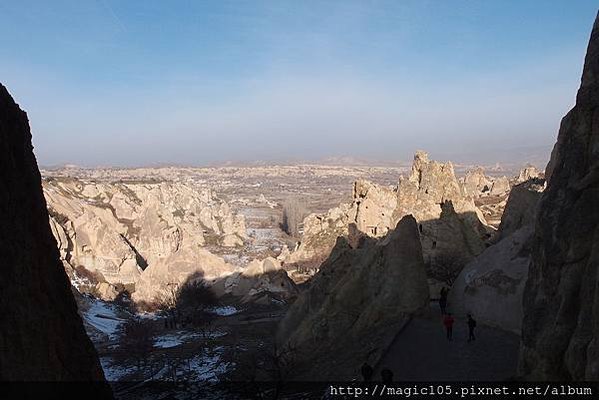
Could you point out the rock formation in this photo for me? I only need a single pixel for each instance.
(491, 286)
(500, 186)
(528, 172)
(159, 280)
(476, 183)
(123, 231)
(447, 218)
(261, 281)
(41, 334)
(560, 329)
(320, 234)
(373, 208)
(356, 303)
(521, 206)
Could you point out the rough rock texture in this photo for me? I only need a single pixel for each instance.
(41, 334)
(491, 286)
(158, 280)
(320, 234)
(357, 302)
(260, 281)
(373, 207)
(118, 229)
(560, 330)
(528, 172)
(500, 186)
(448, 219)
(520, 208)
(452, 229)
(476, 183)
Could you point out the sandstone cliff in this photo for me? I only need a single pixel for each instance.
(41, 334)
(144, 234)
(491, 286)
(560, 331)
(450, 224)
(356, 303)
(117, 229)
(476, 183)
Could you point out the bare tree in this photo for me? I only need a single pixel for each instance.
(279, 364)
(446, 265)
(137, 340)
(294, 211)
(188, 302)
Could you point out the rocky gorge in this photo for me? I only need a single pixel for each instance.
(301, 272)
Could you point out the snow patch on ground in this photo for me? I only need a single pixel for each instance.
(78, 281)
(148, 315)
(178, 338)
(223, 311)
(208, 367)
(102, 316)
(264, 234)
(113, 372)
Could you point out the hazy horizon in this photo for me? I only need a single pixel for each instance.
(146, 83)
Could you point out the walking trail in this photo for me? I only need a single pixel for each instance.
(421, 352)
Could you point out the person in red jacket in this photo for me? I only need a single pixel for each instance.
(448, 322)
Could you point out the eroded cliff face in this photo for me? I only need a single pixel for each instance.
(41, 334)
(560, 332)
(118, 229)
(451, 228)
(356, 304)
(491, 286)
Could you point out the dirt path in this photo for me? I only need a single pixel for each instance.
(421, 352)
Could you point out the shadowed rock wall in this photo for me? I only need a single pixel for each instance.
(41, 333)
(560, 332)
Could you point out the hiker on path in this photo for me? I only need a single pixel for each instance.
(448, 323)
(367, 372)
(471, 326)
(387, 376)
(443, 300)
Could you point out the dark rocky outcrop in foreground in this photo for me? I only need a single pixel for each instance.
(560, 332)
(356, 304)
(41, 334)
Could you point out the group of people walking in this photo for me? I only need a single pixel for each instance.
(368, 373)
(448, 319)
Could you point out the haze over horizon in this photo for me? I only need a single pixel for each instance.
(141, 83)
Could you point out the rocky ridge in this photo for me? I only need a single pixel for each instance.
(449, 223)
(148, 237)
(356, 303)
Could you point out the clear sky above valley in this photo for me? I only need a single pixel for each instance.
(196, 82)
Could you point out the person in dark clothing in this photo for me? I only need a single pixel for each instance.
(387, 375)
(448, 323)
(471, 326)
(367, 372)
(443, 300)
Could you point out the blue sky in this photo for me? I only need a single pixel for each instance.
(195, 82)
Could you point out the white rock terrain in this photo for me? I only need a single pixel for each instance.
(143, 233)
